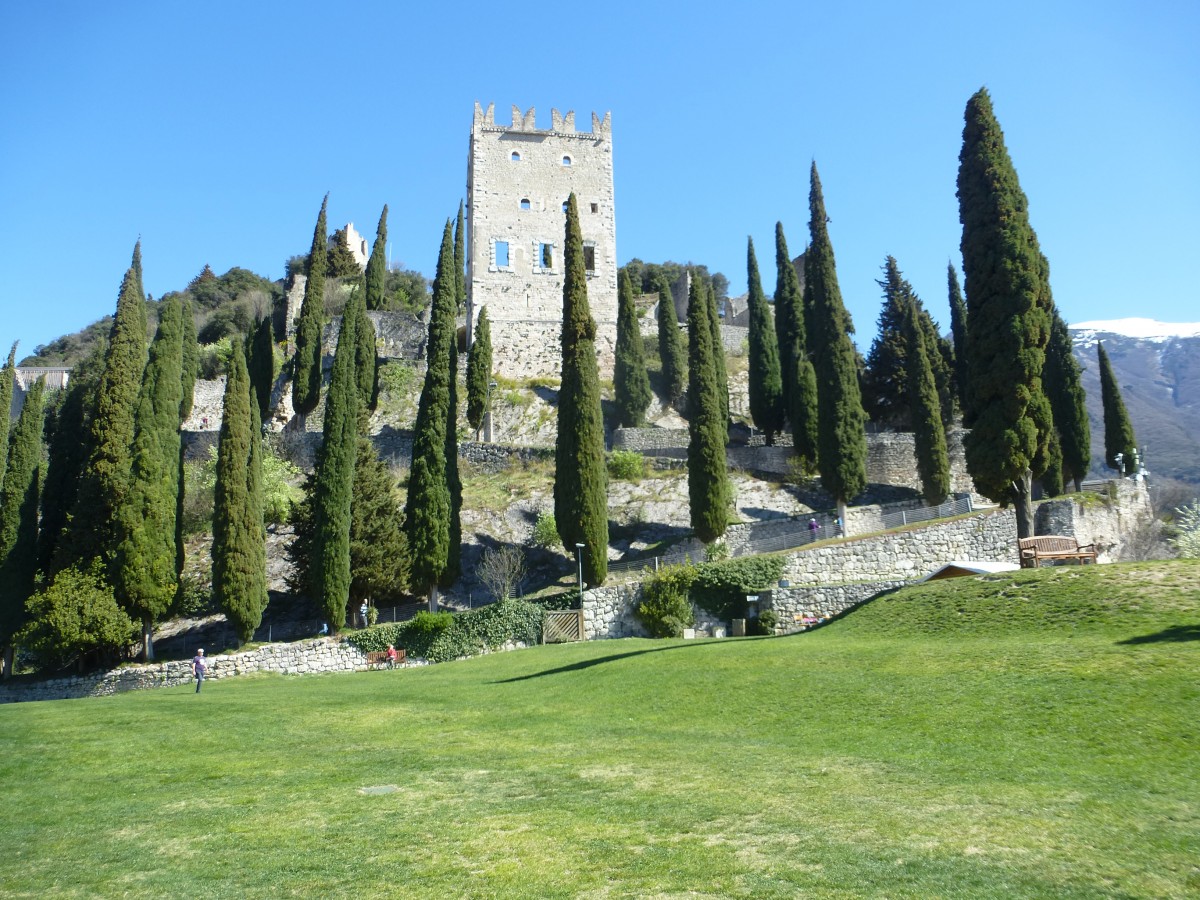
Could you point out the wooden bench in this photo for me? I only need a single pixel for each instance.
(1036, 550)
(380, 658)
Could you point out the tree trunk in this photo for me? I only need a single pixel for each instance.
(147, 639)
(433, 597)
(841, 511)
(1078, 483)
(1022, 489)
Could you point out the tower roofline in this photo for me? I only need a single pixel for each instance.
(527, 122)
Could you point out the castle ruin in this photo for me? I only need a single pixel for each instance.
(518, 181)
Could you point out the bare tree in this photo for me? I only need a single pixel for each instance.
(501, 569)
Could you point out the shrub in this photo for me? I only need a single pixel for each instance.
(545, 531)
(764, 624)
(431, 624)
(665, 609)
(627, 465)
(721, 587)
(440, 637)
(1185, 537)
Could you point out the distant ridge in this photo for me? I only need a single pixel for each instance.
(1144, 329)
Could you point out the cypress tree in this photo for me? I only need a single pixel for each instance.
(460, 262)
(1052, 478)
(1119, 439)
(766, 388)
(580, 475)
(366, 358)
(136, 265)
(94, 531)
(335, 476)
(237, 535)
(306, 382)
(796, 367)
(1068, 402)
(427, 510)
(69, 430)
(479, 373)
(191, 360)
(376, 277)
(708, 485)
(841, 435)
(260, 364)
(929, 436)
(143, 573)
(958, 332)
(718, 354)
(670, 343)
(19, 498)
(8, 377)
(1008, 321)
(631, 384)
(453, 482)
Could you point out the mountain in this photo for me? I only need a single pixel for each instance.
(1157, 365)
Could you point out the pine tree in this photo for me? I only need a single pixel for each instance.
(378, 549)
(631, 384)
(1120, 445)
(19, 498)
(8, 377)
(260, 364)
(335, 476)
(479, 373)
(340, 261)
(460, 262)
(1068, 402)
(958, 331)
(670, 343)
(580, 475)
(94, 531)
(238, 536)
(143, 573)
(708, 485)
(377, 265)
(796, 365)
(929, 436)
(306, 381)
(1008, 321)
(841, 434)
(718, 354)
(427, 510)
(886, 381)
(766, 388)
(69, 429)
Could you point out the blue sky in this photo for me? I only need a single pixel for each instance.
(213, 129)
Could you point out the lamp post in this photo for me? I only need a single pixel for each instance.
(579, 555)
(487, 405)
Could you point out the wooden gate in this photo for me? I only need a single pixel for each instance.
(562, 625)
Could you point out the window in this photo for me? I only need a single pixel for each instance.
(516, 157)
(501, 254)
(595, 207)
(564, 206)
(589, 257)
(546, 255)
(566, 160)
(525, 203)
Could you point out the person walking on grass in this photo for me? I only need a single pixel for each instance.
(199, 667)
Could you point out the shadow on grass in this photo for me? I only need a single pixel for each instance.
(1173, 635)
(588, 663)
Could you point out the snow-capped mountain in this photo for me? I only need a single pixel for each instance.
(1157, 365)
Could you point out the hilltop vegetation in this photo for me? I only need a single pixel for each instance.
(1031, 735)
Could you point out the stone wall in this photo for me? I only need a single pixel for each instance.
(309, 657)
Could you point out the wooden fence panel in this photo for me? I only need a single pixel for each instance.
(562, 626)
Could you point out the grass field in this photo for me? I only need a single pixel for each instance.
(1031, 735)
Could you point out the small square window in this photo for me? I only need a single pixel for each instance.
(525, 203)
(502, 254)
(589, 257)
(595, 207)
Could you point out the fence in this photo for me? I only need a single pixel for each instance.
(562, 625)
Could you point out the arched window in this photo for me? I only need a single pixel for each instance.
(525, 203)
(566, 160)
(564, 206)
(516, 157)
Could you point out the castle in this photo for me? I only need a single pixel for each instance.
(518, 181)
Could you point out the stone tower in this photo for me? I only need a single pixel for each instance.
(518, 181)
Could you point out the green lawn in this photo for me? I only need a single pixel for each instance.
(1032, 735)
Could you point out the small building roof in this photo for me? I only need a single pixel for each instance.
(960, 568)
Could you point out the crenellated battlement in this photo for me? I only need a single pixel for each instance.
(527, 122)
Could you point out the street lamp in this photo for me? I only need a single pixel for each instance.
(487, 405)
(579, 554)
